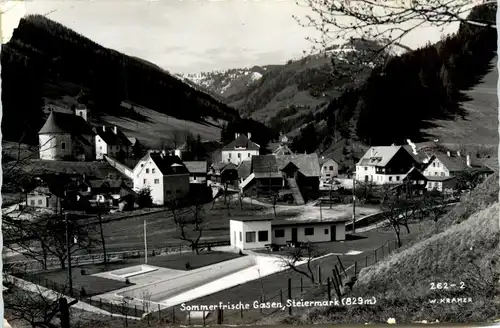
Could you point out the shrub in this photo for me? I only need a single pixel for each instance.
(83, 272)
(127, 281)
(83, 293)
(188, 266)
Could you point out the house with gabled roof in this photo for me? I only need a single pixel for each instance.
(443, 169)
(164, 174)
(329, 168)
(198, 171)
(111, 141)
(66, 136)
(240, 149)
(384, 164)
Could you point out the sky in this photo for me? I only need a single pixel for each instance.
(189, 36)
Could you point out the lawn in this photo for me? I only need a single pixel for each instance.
(127, 234)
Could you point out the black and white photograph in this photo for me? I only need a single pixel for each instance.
(171, 163)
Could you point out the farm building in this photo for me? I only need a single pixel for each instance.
(197, 171)
(329, 168)
(109, 140)
(257, 233)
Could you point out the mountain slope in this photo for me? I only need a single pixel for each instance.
(46, 62)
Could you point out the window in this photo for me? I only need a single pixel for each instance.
(39, 202)
(157, 181)
(194, 177)
(248, 155)
(32, 202)
(250, 237)
(142, 165)
(326, 231)
(144, 181)
(279, 233)
(397, 178)
(366, 178)
(100, 148)
(239, 155)
(63, 145)
(147, 170)
(331, 168)
(241, 234)
(435, 173)
(442, 174)
(263, 235)
(309, 231)
(390, 178)
(433, 164)
(229, 155)
(366, 168)
(153, 170)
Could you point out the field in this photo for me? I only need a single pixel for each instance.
(481, 125)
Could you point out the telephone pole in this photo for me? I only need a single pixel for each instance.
(353, 204)
(145, 245)
(68, 247)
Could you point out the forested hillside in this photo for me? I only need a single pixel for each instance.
(44, 59)
(406, 95)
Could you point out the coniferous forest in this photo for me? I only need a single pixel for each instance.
(45, 59)
(399, 99)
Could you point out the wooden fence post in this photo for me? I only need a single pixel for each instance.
(355, 268)
(290, 294)
(203, 318)
(375, 256)
(301, 285)
(336, 284)
(383, 250)
(366, 261)
(241, 312)
(159, 313)
(281, 296)
(173, 315)
(135, 310)
(337, 273)
(341, 266)
(189, 318)
(260, 307)
(319, 274)
(329, 289)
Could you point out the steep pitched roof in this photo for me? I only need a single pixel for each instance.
(229, 166)
(242, 142)
(111, 138)
(282, 150)
(308, 164)
(421, 156)
(264, 164)
(453, 163)
(379, 156)
(323, 160)
(58, 122)
(245, 169)
(168, 164)
(196, 166)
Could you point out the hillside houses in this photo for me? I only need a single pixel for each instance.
(164, 174)
(240, 149)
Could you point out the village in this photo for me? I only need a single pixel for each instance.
(212, 229)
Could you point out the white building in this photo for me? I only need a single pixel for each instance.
(165, 175)
(442, 170)
(384, 164)
(66, 137)
(329, 168)
(110, 141)
(256, 233)
(240, 149)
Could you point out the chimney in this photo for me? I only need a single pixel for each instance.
(163, 153)
(458, 153)
(115, 130)
(249, 135)
(448, 153)
(178, 153)
(372, 152)
(104, 128)
(468, 160)
(236, 135)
